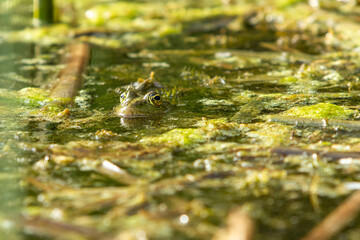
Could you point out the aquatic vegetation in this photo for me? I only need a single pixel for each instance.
(321, 111)
(35, 97)
(209, 129)
(266, 120)
(178, 137)
(42, 106)
(200, 78)
(49, 35)
(271, 135)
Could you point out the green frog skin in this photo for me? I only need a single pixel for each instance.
(134, 105)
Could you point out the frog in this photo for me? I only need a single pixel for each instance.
(142, 86)
(145, 98)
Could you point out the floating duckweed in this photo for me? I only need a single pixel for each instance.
(321, 111)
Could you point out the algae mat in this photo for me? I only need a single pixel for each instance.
(265, 132)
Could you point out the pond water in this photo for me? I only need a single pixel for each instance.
(90, 174)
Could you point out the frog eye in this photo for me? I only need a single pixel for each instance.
(154, 99)
(122, 97)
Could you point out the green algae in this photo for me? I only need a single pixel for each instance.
(288, 80)
(42, 106)
(249, 112)
(271, 135)
(321, 111)
(187, 137)
(185, 175)
(47, 35)
(37, 97)
(178, 137)
(34, 97)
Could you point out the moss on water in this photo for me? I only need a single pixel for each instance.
(209, 129)
(51, 109)
(178, 137)
(321, 111)
(34, 97)
(183, 172)
(53, 112)
(47, 35)
(288, 80)
(270, 135)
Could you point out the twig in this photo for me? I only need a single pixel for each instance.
(70, 79)
(41, 226)
(314, 199)
(44, 186)
(298, 151)
(337, 219)
(318, 123)
(239, 227)
(117, 174)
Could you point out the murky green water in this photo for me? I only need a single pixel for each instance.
(94, 175)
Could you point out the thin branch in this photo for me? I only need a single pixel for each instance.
(317, 123)
(285, 151)
(336, 220)
(116, 173)
(70, 79)
(44, 226)
(239, 227)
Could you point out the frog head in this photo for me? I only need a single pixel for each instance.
(132, 104)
